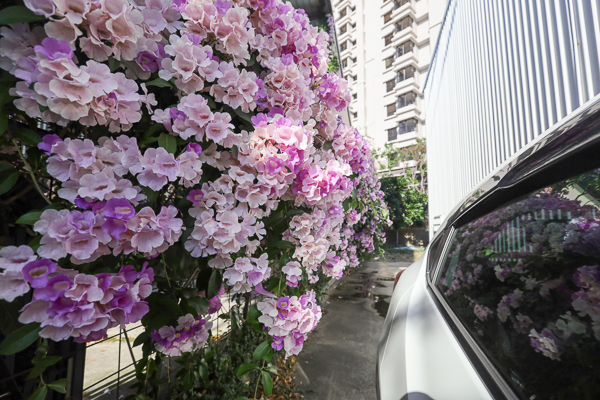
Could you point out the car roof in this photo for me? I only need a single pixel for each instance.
(569, 147)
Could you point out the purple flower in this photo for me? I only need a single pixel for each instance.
(275, 111)
(83, 203)
(47, 141)
(259, 120)
(118, 209)
(36, 272)
(195, 147)
(53, 49)
(222, 6)
(147, 61)
(195, 196)
(175, 113)
(55, 288)
(274, 165)
(277, 343)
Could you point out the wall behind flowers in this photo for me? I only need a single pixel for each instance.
(158, 156)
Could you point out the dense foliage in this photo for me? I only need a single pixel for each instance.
(186, 152)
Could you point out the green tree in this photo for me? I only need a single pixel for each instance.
(405, 195)
(407, 205)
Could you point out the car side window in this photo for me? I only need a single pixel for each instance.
(524, 280)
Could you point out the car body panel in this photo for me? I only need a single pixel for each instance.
(434, 366)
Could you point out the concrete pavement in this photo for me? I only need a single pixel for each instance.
(338, 360)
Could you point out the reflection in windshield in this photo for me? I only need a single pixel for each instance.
(525, 280)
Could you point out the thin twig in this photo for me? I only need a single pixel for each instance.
(28, 168)
(17, 196)
(191, 277)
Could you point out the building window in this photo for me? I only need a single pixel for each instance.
(403, 23)
(389, 61)
(391, 109)
(353, 60)
(353, 42)
(354, 96)
(392, 134)
(400, 3)
(343, 29)
(345, 63)
(388, 38)
(344, 46)
(406, 126)
(354, 114)
(406, 99)
(404, 48)
(343, 13)
(387, 17)
(389, 85)
(405, 73)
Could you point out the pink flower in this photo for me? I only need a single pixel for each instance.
(14, 258)
(12, 285)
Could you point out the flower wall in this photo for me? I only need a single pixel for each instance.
(194, 151)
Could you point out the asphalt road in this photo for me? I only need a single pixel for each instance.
(338, 359)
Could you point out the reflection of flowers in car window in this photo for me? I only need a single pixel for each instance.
(525, 279)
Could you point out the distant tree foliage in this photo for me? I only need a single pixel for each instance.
(405, 195)
(407, 205)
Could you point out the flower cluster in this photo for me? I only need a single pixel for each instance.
(71, 304)
(190, 334)
(289, 320)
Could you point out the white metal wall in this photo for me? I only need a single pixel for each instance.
(503, 72)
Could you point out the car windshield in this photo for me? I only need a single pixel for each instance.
(525, 282)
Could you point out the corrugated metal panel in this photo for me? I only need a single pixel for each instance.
(503, 72)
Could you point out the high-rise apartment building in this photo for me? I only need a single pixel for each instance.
(385, 48)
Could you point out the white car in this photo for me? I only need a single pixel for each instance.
(505, 302)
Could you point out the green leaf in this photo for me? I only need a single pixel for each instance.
(261, 351)
(159, 83)
(3, 121)
(30, 218)
(113, 64)
(35, 243)
(269, 355)
(241, 398)
(244, 369)
(208, 354)
(272, 369)
(243, 115)
(150, 194)
(200, 304)
(20, 339)
(283, 244)
(142, 337)
(168, 142)
(253, 314)
(46, 361)
(214, 284)
(8, 179)
(203, 370)
(60, 385)
(18, 14)
(5, 96)
(39, 394)
(27, 136)
(267, 383)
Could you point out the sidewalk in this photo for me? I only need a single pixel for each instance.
(338, 360)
